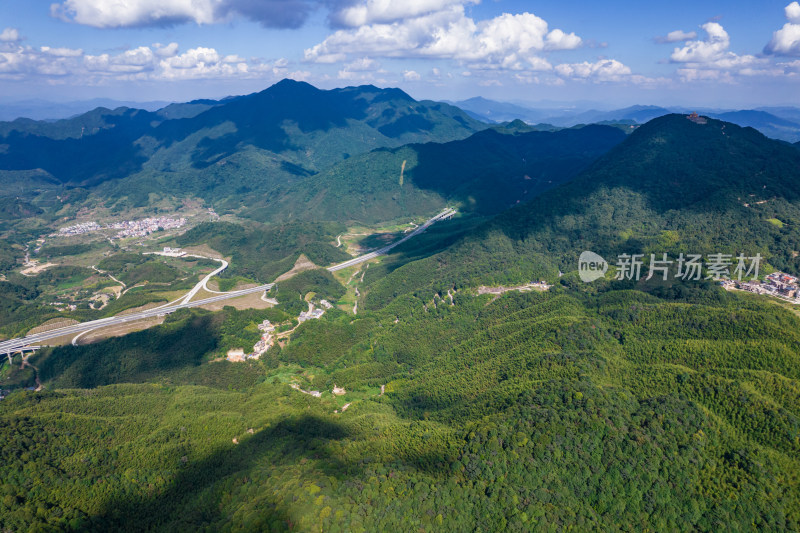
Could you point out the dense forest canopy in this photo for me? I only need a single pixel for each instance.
(616, 405)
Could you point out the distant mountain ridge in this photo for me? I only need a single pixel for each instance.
(50, 111)
(289, 130)
(776, 122)
(493, 111)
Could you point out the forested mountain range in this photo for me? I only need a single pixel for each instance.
(605, 406)
(295, 152)
(775, 122)
(286, 132)
(484, 174)
(674, 185)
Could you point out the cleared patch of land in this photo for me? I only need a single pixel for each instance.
(64, 340)
(53, 323)
(213, 284)
(521, 288)
(205, 251)
(302, 264)
(248, 301)
(350, 277)
(145, 307)
(119, 330)
(36, 269)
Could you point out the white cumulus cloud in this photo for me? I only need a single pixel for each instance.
(363, 64)
(677, 36)
(702, 58)
(786, 41)
(138, 13)
(388, 11)
(105, 14)
(793, 12)
(155, 63)
(10, 35)
(62, 52)
(703, 51)
(602, 70)
(168, 50)
(507, 41)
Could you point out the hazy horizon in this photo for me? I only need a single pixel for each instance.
(725, 54)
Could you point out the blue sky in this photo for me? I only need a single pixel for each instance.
(732, 53)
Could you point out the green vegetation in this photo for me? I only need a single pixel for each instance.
(263, 253)
(673, 187)
(517, 414)
(775, 222)
(28, 301)
(522, 165)
(21, 298)
(292, 293)
(137, 268)
(66, 249)
(174, 352)
(594, 407)
(8, 255)
(235, 152)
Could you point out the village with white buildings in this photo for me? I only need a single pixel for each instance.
(237, 355)
(777, 284)
(126, 228)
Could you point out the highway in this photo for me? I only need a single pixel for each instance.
(15, 345)
(383, 251)
(204, 282)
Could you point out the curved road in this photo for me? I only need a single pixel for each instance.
(14, 345)
(203, 282)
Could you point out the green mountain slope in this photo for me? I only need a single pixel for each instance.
(609, 411)
(673, 186)
(592, 407)
(263, 253)
(767, 123)
(485, 174)
(287, 131)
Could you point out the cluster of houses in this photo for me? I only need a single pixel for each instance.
(783, 284)
(266, 328)
(61, 306)
(80, 229)
(127, 228)
(312, 313)
(776, 284)
(144, 227)
(337, 391)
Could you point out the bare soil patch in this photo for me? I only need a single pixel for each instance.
(53, 323)
(521, 288)
(37, 269)
(248, 301)
(213, 284)
(302, 264)
(145, 307)
(119, 330)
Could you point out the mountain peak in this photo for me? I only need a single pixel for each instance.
(289, 86)
(679, 160)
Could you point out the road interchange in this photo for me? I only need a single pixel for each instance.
(12, 346)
